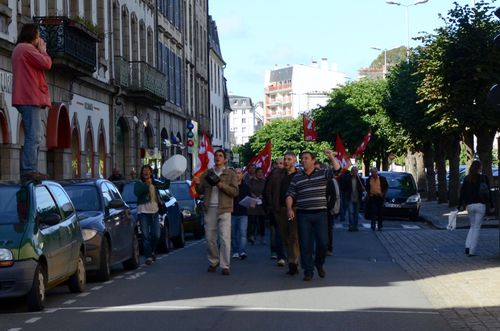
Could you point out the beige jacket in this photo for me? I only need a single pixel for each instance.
(228, 190)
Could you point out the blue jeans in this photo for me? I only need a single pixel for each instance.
(239, 224)
(353, 214)
(31, 117)
(150, 228)
(312, 230)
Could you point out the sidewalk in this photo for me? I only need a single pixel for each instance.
(465, 290)
(437, 214)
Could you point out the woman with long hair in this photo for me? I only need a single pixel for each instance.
(475, 195)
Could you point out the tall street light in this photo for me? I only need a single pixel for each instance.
(384, 71)
(418, 2)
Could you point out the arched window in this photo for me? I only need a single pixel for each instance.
(103, 46)
(88, 10)
(144, 46)
(125, 34)
(148, 137)
(151, 48)
(74, 10)
(164, 144)
(52, 8)
(134, 31)
(89, 150)
(76, 167)
(102, 153)
(116, 29)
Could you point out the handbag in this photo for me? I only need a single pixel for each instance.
(212, 178)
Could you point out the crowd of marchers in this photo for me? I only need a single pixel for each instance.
(297, 205)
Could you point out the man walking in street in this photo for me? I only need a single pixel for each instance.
(308, 191)
(376, 188)
(239, 219)
(352, 189)
(220, 186)
(275, 197)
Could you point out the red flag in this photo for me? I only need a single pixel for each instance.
(263, 160)
(342, 156)
(365, 142)
(205, 161)
(309, 125)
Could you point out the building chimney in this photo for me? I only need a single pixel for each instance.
(314, 64)
(324, 64)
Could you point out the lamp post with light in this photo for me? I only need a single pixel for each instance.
(418, 2)
(384, 71)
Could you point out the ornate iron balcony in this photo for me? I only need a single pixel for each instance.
(69, 43)
(147, 83)
(122, 72)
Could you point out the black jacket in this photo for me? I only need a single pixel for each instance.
(469, 192)
(346, 186)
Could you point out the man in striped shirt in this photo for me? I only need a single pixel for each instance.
(307, 191)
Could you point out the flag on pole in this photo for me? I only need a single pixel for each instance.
(363, 145)
(309, 125)
(342, 156)
(263, 160)
(205, 161)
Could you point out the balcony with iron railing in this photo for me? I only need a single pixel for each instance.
(122, 72)
(70, 44)
(147, 84)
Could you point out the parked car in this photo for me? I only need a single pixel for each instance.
(402, 198)
(41, 243)
(191, 208)
(171, 224)
(108, 226)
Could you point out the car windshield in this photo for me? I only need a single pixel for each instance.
(84, 197)
(13, 204)
(403, 183)
(180, 191)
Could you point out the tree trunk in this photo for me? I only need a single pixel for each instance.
(454, 177)
(484, 150)
(468, 140)
(441, 170)
(429, 171)
(410, 163)
(421, 178)
(366, 166)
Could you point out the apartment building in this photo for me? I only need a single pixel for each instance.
(244, 120)
(293, 90)
(127, 76)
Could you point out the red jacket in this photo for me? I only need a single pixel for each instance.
(29, 86)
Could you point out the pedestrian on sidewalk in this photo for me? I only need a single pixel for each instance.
(276, 241)
(30, 94)
(147, 211)
(220, 186)
(307, 191)
(475, 196)
(275, 197)
(239, 219)
(352, 190)
(376, 188)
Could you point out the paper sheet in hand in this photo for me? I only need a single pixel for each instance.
(248, 200)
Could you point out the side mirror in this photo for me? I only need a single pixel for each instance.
(116, 203)
(50, 219)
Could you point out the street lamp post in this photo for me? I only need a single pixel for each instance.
(418, 2)
(384, 71)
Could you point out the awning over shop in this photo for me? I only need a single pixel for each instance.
(58, 127)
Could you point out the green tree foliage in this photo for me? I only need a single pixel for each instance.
(394, 57)
(351, 111)
(285, 135)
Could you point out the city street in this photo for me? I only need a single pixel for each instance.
(364, 289)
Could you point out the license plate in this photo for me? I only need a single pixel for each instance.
(392, 205)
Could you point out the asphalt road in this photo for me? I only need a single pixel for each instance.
(363, 290)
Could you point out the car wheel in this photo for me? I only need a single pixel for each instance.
(133, 262)
(180, 240)
(104, 272)
(163, 246)
(78, 280)
(36, 296)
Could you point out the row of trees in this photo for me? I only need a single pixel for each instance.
(428, 106)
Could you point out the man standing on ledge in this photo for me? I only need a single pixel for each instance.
(220, 186)
(30, 94)
(308, 190)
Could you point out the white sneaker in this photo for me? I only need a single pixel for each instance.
(236, 256)
(281, 263)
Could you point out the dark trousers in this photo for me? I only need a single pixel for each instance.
(374, 206)
(331, 221)
(256, 225)
(312, 233)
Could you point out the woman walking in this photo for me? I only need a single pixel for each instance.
(475, 196)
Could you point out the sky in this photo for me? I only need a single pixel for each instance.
(256, 35)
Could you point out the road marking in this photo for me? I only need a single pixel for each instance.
(410, 227)
(366, 226)
(14, 329)
(242, 309)
(119, 277)
(32, 320)
(129, 272)
(96, 288)
(338, 226)
(69, 302)
(109, 282)
(82, 295)
(137, 275)
(50, 310)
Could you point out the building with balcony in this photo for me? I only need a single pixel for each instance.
(244, 120)
(127, 76)
(293, 90)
